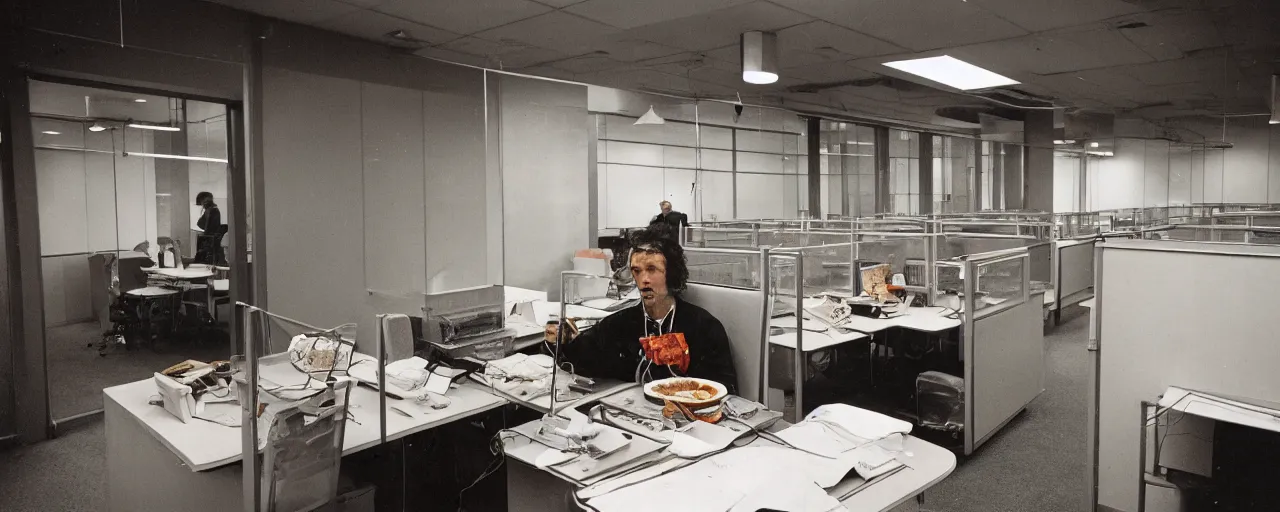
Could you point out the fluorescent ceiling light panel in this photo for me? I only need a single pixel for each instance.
(950, 71)
(179, 157)
(1061, 142)
(97, 127)
(154, 127)
(51, 132)
(140, 100)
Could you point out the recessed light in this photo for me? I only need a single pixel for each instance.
(97, 128)
(140, 100)
(948, 70)
(154, 127)
(1093, 144)
(51, 132)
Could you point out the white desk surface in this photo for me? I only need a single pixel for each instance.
(205, 445)
(927, 465)
(542, 403)
(186, 273)
(812, 340)
(924, 319)
(1087, 303)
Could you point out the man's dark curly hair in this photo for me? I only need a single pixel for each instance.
(658, 239)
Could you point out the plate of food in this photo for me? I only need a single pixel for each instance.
(690, 392)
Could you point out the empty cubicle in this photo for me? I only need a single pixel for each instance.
(1155, 327)
(1003, 342)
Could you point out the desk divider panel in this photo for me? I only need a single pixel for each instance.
(1159, 324)
(742, 313)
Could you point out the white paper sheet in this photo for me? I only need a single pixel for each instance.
(700, 438)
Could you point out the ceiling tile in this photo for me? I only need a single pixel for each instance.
(719, 28)
(828, 72)
(1054, 52)
(504, 55)
(588, 64)
(632, 14)
(1208, 69)
(1172, 34)
(918, 25)
(556, 30)
(631, 50)
(374, 26)
(817, 36)
(463, 17)
(559, 3)
(454, 56)
(307, 12)
(1039, 15)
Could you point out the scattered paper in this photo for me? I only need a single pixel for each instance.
(701, 438)
(552, 457)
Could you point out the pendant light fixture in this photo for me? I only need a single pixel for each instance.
(759, 57)
(650, 117)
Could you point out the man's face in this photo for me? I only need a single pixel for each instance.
(666, 207)
(650, 273)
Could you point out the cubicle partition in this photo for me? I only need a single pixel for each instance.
(729, 283)
(1154, 327)
(1003, 343)
(1073, 274)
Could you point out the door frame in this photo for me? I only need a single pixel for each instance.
(24, 316)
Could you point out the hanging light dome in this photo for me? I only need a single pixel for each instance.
(650, 117)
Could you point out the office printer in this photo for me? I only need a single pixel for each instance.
(468, 323)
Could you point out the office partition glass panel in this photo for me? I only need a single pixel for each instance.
(133, 267)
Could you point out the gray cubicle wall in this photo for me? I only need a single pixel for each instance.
(375, 177)
(1073, 269)
(545, 187)
(1171, 313)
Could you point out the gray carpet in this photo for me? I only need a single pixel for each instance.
(1036, 464)
(1038, 461)
(77, 373)
(66, 474)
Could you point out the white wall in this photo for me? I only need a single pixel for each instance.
(1066, 182)
(544, 179)
(1156, 173)
(639, 166)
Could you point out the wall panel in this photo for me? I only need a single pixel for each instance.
(457, 211)
(544, 163)
(393, 187)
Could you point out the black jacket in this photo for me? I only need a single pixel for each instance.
(611, 349)
(674, 219)
(210, 220)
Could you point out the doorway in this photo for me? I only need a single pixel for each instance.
(132, 193)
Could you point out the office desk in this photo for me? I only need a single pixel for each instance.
(813, 340)
(542, 403)
(156, 462)
(544, 491)
(928, 319)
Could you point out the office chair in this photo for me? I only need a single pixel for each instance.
(130, 319)
(209, 247)
(171, 246)
(301, 460)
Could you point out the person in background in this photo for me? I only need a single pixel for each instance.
(675, 220)
(612, 348)
(208, 242)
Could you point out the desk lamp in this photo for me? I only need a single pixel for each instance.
(554, 430)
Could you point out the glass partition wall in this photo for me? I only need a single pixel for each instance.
(118, 176)
(709, 162)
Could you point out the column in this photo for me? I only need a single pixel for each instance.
(1038, 169)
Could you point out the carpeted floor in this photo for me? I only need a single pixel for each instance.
(77, 373)
(1036, 464)
(1038, 461)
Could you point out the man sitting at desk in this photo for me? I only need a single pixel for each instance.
(612, 348)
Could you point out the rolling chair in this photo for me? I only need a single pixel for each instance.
(134, 312)
(303, 455)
